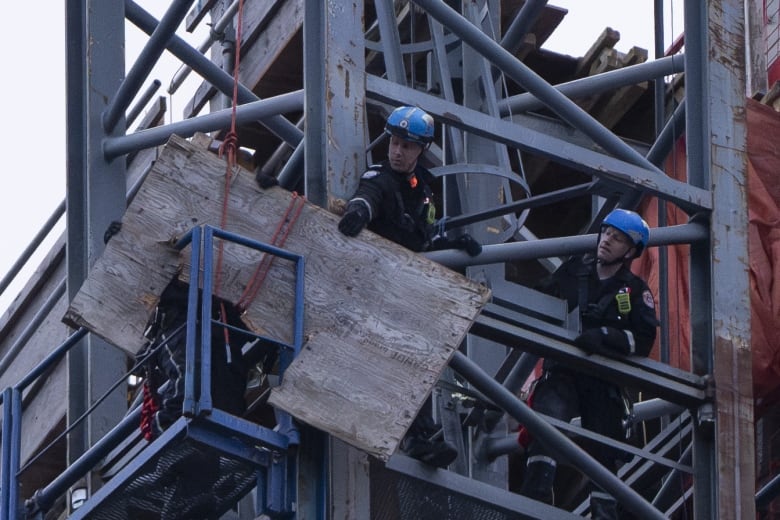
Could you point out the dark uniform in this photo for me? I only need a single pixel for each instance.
(617, 317)
(400, 205)
(577, 282)
(190, 471)
(166, 357)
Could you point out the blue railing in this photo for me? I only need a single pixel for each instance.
(12, 420)
(195, 404)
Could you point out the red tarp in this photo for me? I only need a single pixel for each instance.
(763, 171)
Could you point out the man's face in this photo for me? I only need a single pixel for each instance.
(613, 245)
(403, 154)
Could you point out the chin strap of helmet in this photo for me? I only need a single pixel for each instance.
(612, 262)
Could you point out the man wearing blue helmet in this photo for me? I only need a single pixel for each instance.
(617, 317)
(394, 198)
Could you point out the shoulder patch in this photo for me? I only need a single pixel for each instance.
(647, 297)
(370, 174)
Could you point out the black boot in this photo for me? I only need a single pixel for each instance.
(539, 478)
(438, 454)
(425, 442)
(602, 506)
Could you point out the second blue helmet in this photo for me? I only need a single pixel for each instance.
(631, 224)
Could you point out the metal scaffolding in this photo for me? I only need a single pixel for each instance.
(494, 113)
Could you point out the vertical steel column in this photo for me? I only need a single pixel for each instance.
(76, 85)
(313, 465)
(732, 356)
(15, 441)
(95, 197)
(314, 103)
(698, 168)
(720, 317)
(345, 87)
(478, 192)
(755, 49)
(334, 81)
(659, 92)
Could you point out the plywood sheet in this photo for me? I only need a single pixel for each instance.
(380, 322)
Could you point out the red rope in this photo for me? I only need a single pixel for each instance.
(231, 139)
(230, 147)
(278, 239)
(149, 408)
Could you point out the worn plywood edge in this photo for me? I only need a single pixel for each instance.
(375, 395)
(119, 295)
(125, 283)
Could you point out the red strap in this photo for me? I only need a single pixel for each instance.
(278, 239)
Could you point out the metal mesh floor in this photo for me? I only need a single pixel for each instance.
(185, 480)
(395, 496)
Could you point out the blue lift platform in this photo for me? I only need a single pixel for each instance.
(228, 456)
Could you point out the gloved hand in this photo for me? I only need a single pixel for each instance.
(265, 181)
(466, 242)
(591, 341)
(355, 219)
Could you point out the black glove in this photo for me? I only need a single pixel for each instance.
(112, 230)
(466, 243)
(591, 341)
(355, 219)
(265, 181)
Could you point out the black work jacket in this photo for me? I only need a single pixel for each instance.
(576, 281)
(400, 211)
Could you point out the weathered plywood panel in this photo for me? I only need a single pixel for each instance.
(381, 322)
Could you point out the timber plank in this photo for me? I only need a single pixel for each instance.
(380, 322)
(606, 40)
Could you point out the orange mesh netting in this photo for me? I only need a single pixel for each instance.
(764, 246)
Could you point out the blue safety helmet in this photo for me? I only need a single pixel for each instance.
(631, 224)
(411, 124)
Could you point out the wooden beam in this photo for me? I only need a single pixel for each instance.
(606, 40)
